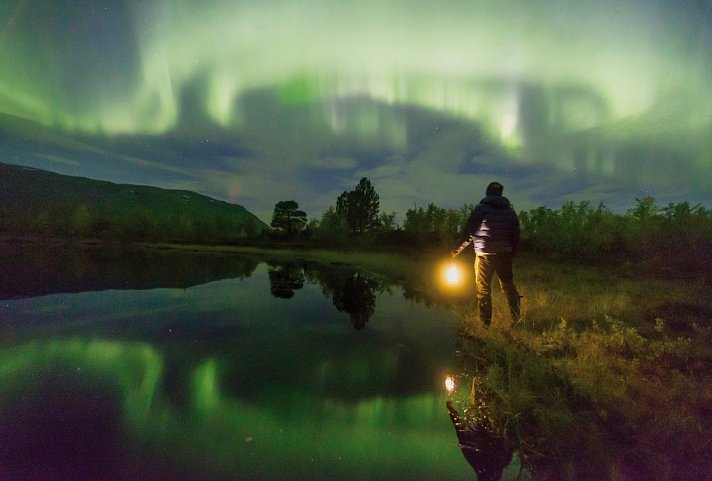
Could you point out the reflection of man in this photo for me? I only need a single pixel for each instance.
(487, 454)
(493, 227)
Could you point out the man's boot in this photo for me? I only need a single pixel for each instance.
(514, 306)
(485, 307)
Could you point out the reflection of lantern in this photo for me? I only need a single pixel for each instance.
(449, 384)
(453, 274)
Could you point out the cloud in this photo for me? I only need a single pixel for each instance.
(338, 163)
(256, 102)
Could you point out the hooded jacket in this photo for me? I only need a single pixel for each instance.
(493, 226)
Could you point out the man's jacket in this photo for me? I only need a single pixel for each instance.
(493, 226)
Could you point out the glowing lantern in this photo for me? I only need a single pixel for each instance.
(453, 275)
(449, 384)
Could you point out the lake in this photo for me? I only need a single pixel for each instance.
(160, 365)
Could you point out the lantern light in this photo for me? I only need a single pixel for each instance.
(449, 384)
(453, 274)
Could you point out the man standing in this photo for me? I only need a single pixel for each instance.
(493, 227)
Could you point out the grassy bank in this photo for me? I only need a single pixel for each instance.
(606, 377)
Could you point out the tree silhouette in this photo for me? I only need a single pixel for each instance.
(288, 218)
(359, 207)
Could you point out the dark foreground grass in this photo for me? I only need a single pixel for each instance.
(606, 377)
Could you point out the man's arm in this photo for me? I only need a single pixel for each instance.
(472, 224)
(462, 246)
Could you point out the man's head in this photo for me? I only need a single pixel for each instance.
(494, 188)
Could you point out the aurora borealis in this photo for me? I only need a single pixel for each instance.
(255, 102)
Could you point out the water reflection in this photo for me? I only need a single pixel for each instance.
(35, 271)
(67, 427)
(285, 278)
(225, 380)
(29, 271)
(65, 405)
(357, 297)
(351, 291)
(487, 451)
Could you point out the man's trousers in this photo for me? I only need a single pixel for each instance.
(485, 268)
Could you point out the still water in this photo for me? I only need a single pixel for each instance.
(165, 366)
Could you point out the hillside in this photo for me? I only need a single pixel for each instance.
(40, 203)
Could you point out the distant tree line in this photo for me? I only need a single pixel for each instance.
(673, 238)
(127, 225)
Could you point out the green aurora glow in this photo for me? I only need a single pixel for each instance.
(617, 91)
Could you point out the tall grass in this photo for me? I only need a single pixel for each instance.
(605, 377)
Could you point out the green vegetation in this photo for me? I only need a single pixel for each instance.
(287, 218)
(359, 207)
(42, 204)
(671, 240)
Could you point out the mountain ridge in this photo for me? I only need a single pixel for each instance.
(39, 202)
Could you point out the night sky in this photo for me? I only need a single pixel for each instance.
(257, 101)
